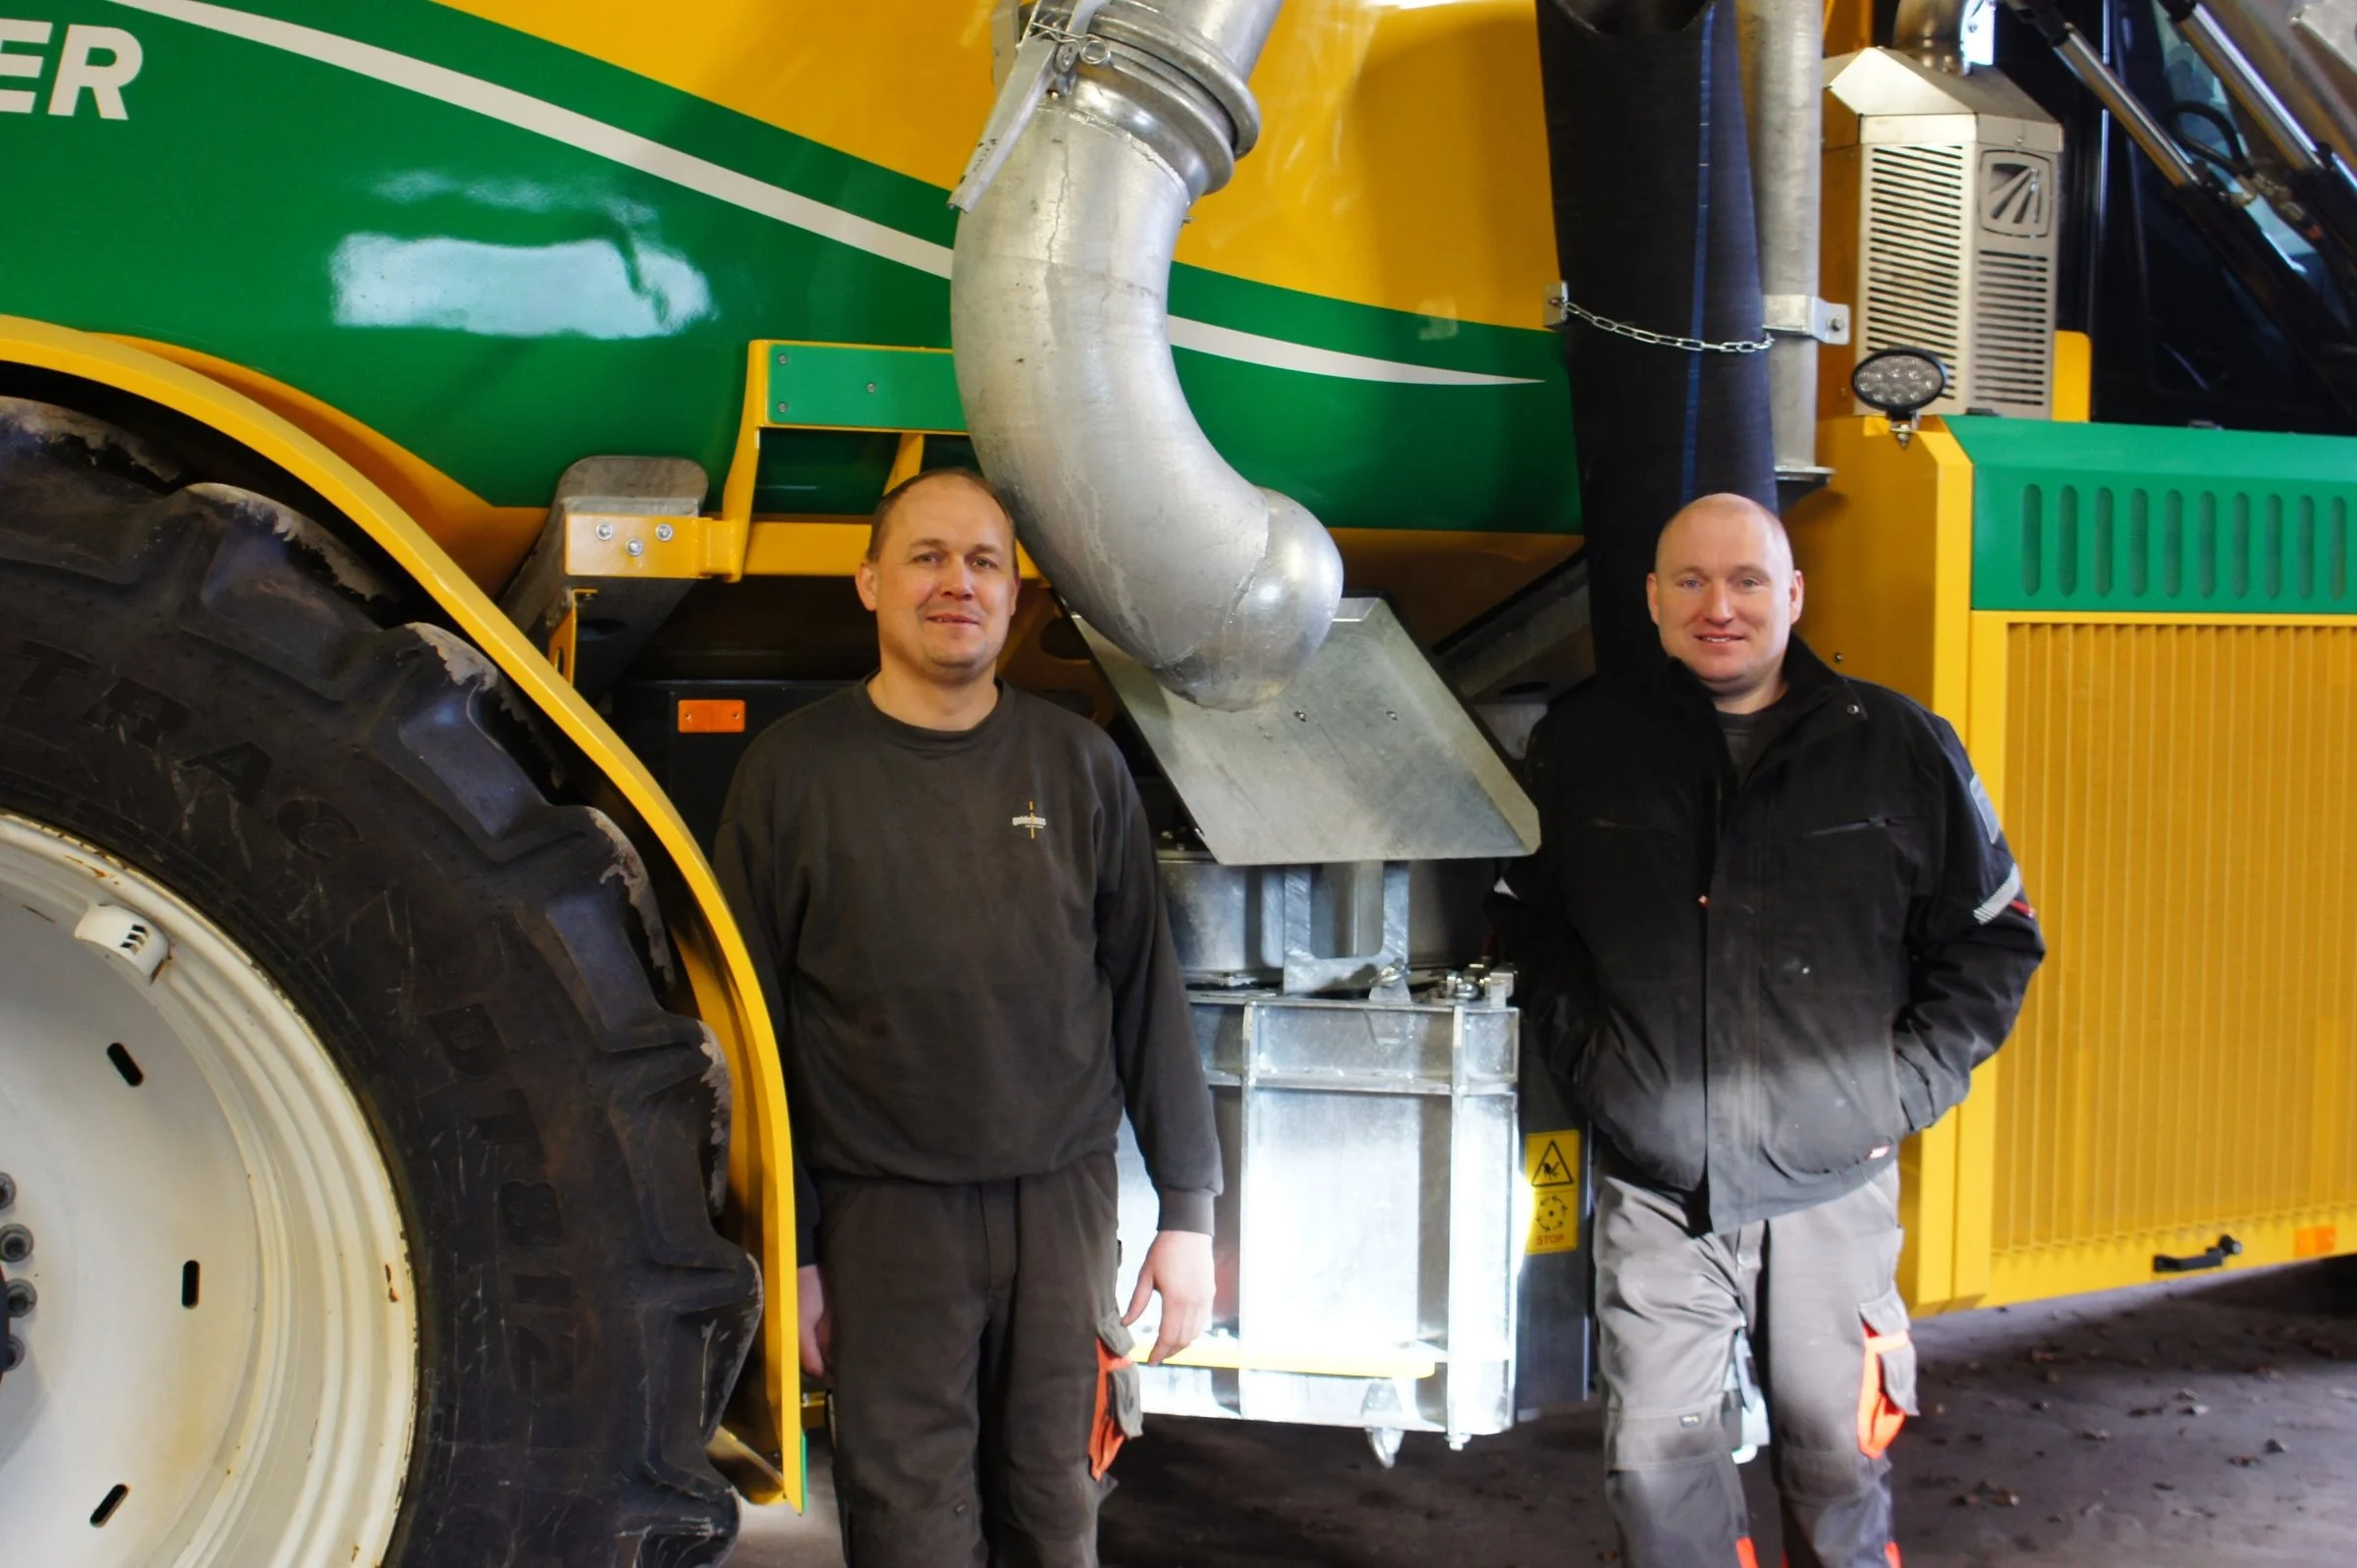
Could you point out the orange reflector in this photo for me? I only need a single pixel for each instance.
(711, 716)
(2316, 1241)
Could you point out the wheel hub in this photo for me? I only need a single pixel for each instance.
(17, 1296)
(209, 1307)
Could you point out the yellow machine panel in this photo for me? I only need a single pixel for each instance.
(2176, 784)
(2179, 795)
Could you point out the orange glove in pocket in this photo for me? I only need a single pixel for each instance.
(1887, 1382)
(1120, 1401)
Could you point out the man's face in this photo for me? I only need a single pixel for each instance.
(944, 584)
(1724, 594)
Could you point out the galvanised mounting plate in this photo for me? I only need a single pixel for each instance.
(1367, 755)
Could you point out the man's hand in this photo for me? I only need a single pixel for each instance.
(810, 1294)
(1178, 1266)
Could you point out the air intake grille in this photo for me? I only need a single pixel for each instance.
(2154, 519)
(2013, 339)
(1914, 262)
(2179, 796)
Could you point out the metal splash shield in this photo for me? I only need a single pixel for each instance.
(1367, 755)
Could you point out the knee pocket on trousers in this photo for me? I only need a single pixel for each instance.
(1651, 1442)
(1825, 1475)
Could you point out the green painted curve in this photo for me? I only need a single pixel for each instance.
(502, 304)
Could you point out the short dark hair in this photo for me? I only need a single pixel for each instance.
(892, 500)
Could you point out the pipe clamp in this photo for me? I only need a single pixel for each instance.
(1800, 315)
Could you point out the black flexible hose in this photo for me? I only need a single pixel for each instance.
(1654, 229)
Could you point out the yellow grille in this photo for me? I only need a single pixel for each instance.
(2181, 799)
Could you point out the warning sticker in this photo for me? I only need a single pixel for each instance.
(1551, 1164)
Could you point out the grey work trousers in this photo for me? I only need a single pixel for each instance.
(965, 1325)
(1815, 1290)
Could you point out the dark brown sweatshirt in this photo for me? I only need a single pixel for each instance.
(964, 944)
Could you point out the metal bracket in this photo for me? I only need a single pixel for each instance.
(635, 544)
(623, 530)
(1050, 47)
(1800, 315)
(1383, 973)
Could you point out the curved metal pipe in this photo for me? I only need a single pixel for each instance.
(1931, 31)
(1058, 309)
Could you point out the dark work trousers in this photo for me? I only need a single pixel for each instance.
(1815, 1290)
(963, 1363)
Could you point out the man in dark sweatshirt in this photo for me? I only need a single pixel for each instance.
(952, 890)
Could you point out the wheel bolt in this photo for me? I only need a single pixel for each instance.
(22, 1297)
(14, 1356)
(8, 1190)
(16, 1244)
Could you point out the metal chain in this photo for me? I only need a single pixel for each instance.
(1622, 329)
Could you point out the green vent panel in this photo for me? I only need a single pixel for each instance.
(2147, 519)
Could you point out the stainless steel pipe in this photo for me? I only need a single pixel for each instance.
(2281, 130)
(1783, 89)
(1931, 33)
(1059, 313)
(2285, 44)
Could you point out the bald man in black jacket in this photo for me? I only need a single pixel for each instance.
(1771, 929)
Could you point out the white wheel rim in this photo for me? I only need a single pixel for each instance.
(268, 1424)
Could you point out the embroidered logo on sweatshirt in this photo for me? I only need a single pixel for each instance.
(1031, 821)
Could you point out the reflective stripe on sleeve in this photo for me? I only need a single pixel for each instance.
(1994, 904)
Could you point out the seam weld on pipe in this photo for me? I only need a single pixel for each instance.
(1059, 313)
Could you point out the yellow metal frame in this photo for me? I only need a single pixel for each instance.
(2128, 1259)
(1893, 539)
(732, 544)
(713, 953)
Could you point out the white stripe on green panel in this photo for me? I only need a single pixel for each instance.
(686, 170)
(1280, 353)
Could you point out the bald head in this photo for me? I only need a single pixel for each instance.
(1725, 593)
(1726, 510)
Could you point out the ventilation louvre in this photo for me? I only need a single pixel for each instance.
(2012, 331)
(1914, 251)
(2159, 520)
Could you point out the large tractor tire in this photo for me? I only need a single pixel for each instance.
(360, 1187)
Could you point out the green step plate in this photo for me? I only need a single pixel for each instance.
(850, 387)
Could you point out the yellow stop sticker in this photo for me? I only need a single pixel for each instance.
(1551, 1164)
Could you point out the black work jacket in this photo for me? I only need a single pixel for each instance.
(1755, 987)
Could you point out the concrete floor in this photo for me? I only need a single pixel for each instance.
(2166, 1426)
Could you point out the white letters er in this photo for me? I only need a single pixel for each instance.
(99, 61)
(36, 33)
